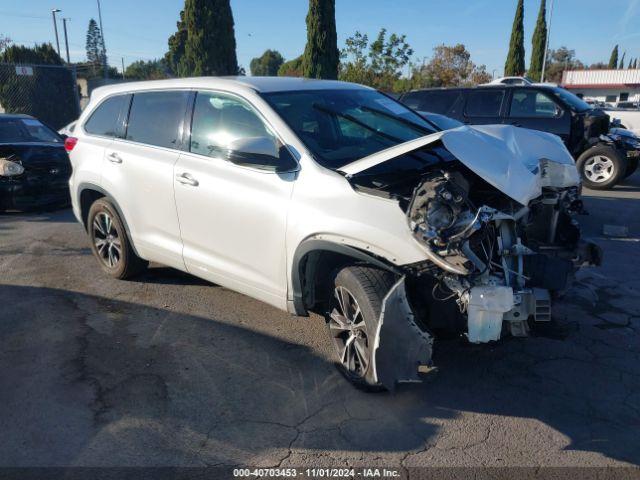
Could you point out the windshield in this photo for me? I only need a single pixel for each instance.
(341, 126)
(26, 130)
(576, 103)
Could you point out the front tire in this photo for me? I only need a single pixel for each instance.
(109, 242)
(601, 167)
(352, 321)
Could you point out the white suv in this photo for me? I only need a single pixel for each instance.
(331, 197)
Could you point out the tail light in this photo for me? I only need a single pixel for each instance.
(69, 143)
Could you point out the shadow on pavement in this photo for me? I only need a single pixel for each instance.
(94, 381)
(59, 214)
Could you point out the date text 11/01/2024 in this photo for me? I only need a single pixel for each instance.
(316, 472)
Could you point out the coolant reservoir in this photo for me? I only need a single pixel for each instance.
(487, 305)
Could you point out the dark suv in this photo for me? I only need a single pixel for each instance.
(601, 159)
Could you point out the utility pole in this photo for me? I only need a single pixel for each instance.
(122, 59)
(104, 49)
(55, 27)
(546, 43)
(66, 39)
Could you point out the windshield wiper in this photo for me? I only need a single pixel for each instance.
(352, 119)
(404, 121)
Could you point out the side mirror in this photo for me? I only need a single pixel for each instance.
(260, 152)
(259, 147)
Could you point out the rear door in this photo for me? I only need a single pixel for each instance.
(138, 172)
(484, 106)
(447, 102)
(536, 109)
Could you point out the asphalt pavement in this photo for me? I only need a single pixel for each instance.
(169, 370)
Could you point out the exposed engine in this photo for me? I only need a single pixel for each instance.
(493, 208)
(499, 260)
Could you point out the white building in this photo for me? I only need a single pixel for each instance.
(609, 86)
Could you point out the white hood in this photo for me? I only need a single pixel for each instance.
(517, 161)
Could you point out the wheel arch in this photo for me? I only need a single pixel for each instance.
(313, 262)
(88, 193)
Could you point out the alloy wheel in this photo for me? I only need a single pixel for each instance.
(598, 169)
(106, 239)
(348, 332)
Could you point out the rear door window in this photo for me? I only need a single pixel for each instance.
(443, 102)
(484, 103)
(104, 120)
(156, 118)
(532, 104)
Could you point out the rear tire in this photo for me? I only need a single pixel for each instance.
(601, 167)
(110, 243)
(352, 321)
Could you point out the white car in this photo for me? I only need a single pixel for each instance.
(517, 81)
(330, 197)
(629, 119)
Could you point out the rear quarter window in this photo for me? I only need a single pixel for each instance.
(104, 119)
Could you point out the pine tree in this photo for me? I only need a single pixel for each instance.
(538, 44)
(210, 46)
(621, 66)
(514, 65)
(93, 50)
(321, 55)
(94, 44)
(613, 60)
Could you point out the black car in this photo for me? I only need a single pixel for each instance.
(34, 165)
(601, 159)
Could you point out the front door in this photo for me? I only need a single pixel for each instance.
(232, 217)
(535, 109)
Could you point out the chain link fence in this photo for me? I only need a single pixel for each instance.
(47, 92)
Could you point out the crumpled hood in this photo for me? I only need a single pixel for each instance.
(517, 161)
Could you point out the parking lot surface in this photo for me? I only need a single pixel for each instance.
(169, 370)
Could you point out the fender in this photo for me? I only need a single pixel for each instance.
(310, 245)
(92, 186)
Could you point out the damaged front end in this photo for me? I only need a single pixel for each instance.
(495, 215)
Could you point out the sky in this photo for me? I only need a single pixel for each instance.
(138, 29)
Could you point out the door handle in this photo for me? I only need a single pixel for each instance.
(187, 179)
(114, 158)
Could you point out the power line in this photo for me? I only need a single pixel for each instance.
(21, 15)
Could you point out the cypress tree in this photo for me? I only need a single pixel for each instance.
(515, 59)
(210, 46)
(630, 64)
(321, 55)
(538, 44)
(621, 66)
(613, 60)
(176, 45)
